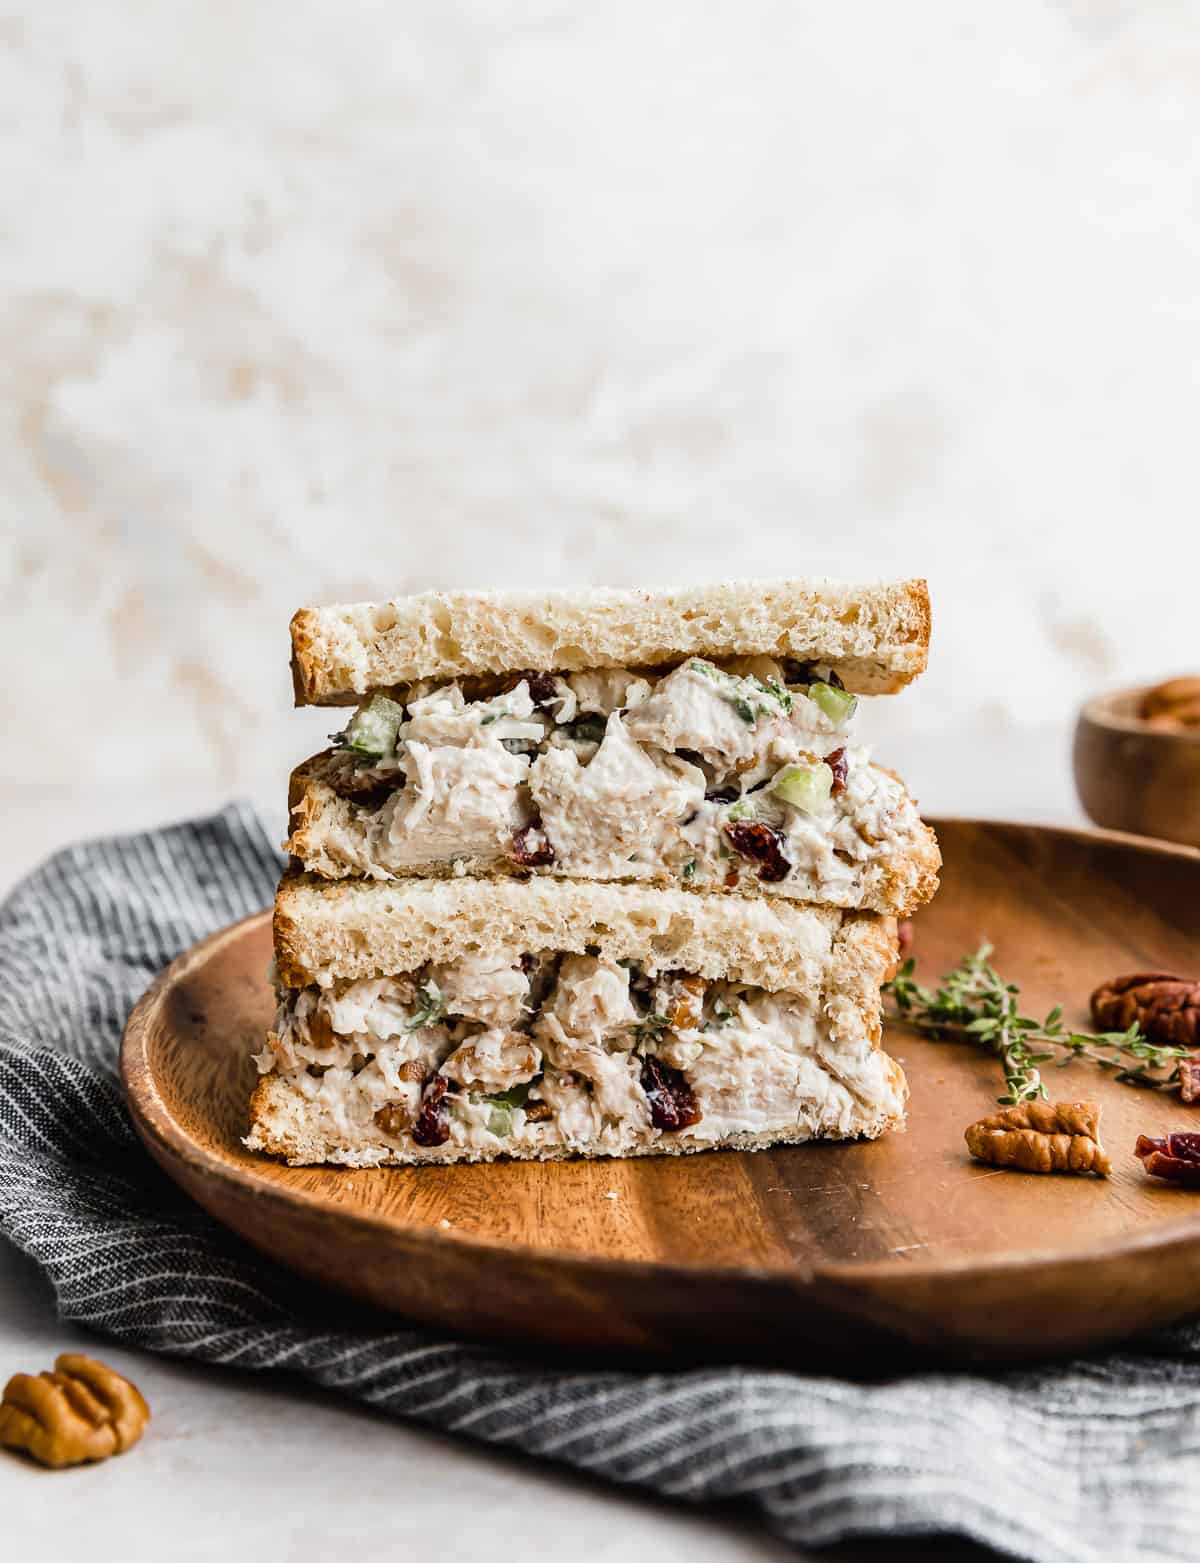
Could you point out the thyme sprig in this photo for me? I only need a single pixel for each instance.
(975, 1004)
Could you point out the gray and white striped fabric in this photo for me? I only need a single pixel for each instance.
(1081, 1461)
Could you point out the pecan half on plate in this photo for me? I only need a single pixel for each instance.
(1167, 1008)
(1042, 1137)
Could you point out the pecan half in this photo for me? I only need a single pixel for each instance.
(1166, 1007)
(413, 1069)
(1175, 703)
(1042, 1137)
(762, 845)
(837, 764)
(1189, 1080)
(531, 848)
(1176, 1157)
(672, 1102)
(81, 1411)
(433, 1120)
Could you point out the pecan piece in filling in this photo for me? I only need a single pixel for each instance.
(837, 764)
(671, 1099)
(393, 1118)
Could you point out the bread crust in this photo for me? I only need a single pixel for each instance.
(347, 929)
(274, 1101)
(875, 635)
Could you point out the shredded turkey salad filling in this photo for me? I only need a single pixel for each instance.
(702, 774)
(567, 1050)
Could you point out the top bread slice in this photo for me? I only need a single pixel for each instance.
(875, 636)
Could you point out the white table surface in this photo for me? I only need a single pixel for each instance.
(234, 1461)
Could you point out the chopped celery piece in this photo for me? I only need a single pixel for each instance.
(500, 1119)
(500, 1108)
(515, 1096)
(372, 729)
(837, 705)
(805, 787)
(740, 810)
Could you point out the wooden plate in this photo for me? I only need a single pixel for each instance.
(849, 1250)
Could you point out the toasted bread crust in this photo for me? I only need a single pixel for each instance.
(876, 636)
(275, 1104)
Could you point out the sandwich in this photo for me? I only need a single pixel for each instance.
(467, 1019)
(592, 874)
(700, 740)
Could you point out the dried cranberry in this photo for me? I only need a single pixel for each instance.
(530, 848)
(837, 764)
(1175, 1157)
(672, 1102)
(433, 1121)
(762, 845)
(1185, 1146)
(367, 791)
(543, 687)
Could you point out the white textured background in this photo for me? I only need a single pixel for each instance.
(306, 301)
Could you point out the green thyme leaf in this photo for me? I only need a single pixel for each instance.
(975, 1004)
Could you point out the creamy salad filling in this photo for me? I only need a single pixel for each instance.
(571, 1051)
(704, 774)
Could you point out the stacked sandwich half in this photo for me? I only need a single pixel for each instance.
(598, 874)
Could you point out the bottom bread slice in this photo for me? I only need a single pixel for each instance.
(545, 1052)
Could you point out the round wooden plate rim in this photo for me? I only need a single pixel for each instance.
(154, 1122)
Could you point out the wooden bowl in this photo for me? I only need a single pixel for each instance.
(1137, 778)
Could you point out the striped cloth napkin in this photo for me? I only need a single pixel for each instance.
(1095, 1459)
